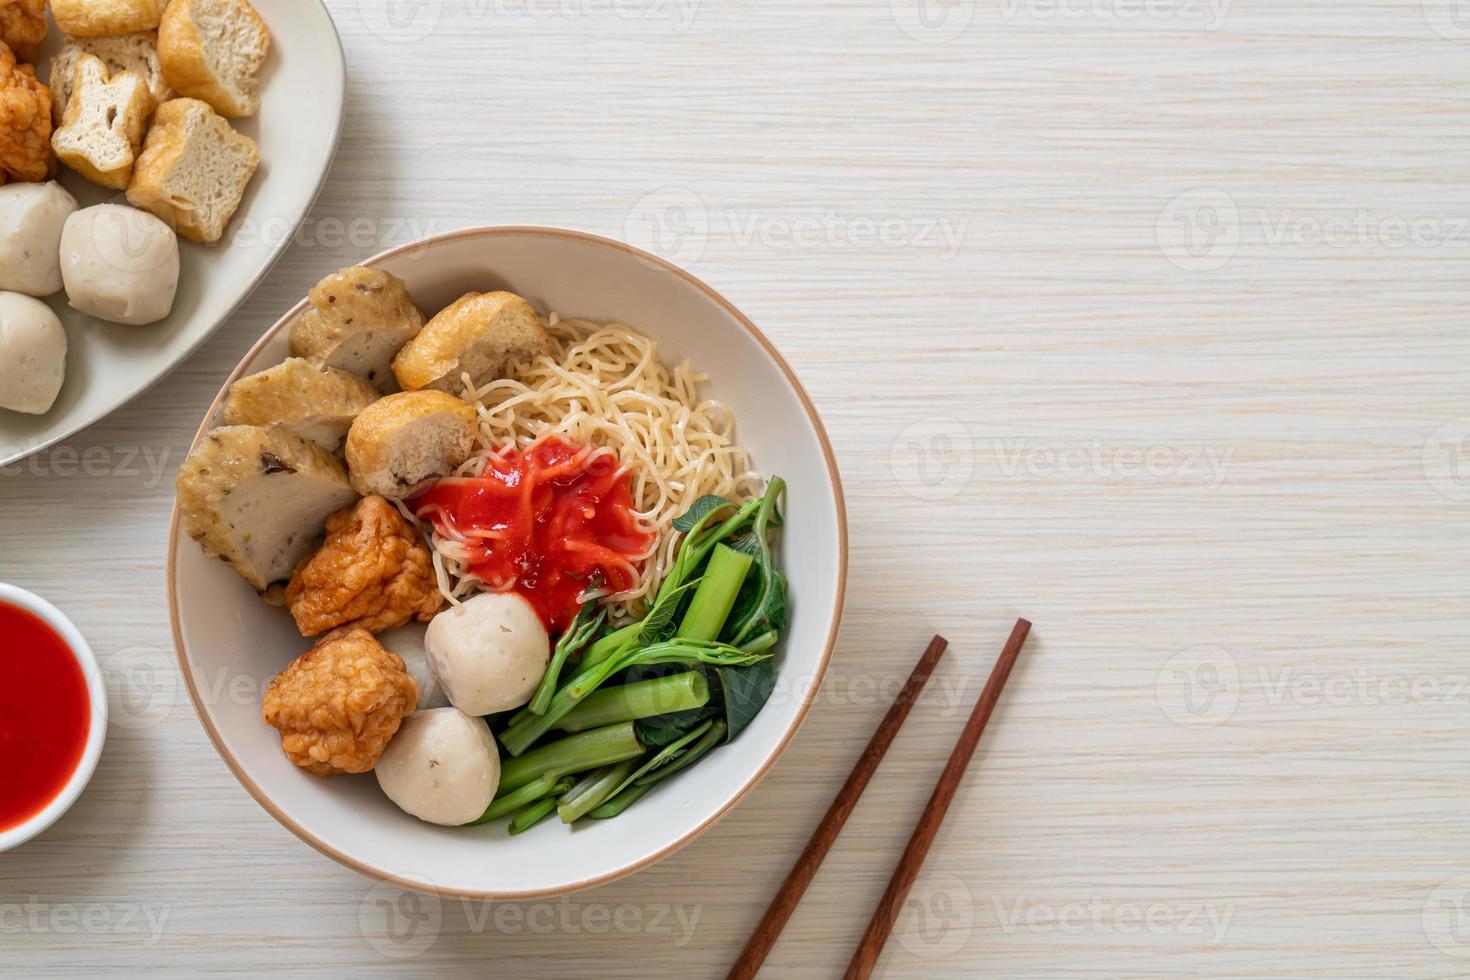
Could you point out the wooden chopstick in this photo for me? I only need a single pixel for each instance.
(781, 907)
(907, 871)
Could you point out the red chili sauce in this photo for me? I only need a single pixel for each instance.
(45, 715)
(542, 522)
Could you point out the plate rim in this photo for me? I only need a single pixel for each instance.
(52, 439)
(839, 497)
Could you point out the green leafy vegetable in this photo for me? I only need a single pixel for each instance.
(584, 626)
(659, 624)
(575, 753)
(522, 735)
(718, 589)
(653, 698)
(658, 760)
(592, 791)
(762, 608)
(699, 512)
(642, 784)
(621, 802)
(525, 819)
(743, 693)
(712, 737)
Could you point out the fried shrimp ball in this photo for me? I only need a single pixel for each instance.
(23, 26)
(25, 122)
(373, 571)
(339, 704)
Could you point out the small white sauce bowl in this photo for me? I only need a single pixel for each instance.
(97, 726)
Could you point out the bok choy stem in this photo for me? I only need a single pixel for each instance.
(586, 624)
(715, 596)
(522, 735)
(575, 753)
(505, 803)
(525, 819)
(592, 791)
(645, 699)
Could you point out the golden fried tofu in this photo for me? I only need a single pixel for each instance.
(100, 18)
(105, 119)
(373, 571)
(317, 403)
(479, 334)
(338, 705)
(23, 26)
(25, 122)
(359, 319)
(257, 497)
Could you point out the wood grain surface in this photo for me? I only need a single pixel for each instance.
(1143, 319)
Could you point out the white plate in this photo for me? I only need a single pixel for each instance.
(230, 642)
(302, 94)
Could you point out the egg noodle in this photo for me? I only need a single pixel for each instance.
(603, 386)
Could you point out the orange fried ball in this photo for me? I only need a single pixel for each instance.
(373, 571)
(23, 26)
(25, 122)
(339, 704)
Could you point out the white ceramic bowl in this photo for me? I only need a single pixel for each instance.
(96, 732)
(224, 632)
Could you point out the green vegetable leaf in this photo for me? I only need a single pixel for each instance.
(698, 512)
(743, 692)
(640, 785)
(712, 737)
(578, 634)
(665, 729)
(660, 759)
(663, 619)
(761, 605)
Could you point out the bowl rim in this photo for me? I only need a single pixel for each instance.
(81, 651)
(803, 709)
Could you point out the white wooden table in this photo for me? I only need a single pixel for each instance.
(1146, 319)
